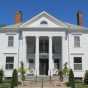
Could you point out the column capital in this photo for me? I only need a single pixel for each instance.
(50, 36)
(37, 36)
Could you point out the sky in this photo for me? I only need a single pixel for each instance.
(64, 10)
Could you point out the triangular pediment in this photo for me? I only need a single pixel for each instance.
(43, 20)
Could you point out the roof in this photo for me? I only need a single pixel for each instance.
(48, 16)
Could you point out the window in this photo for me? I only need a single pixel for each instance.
(10, 41)
(43, 22)
(43, 46)
(9, 63)
(56, 63)
(77, 63)
(77, 41)
(31, 61)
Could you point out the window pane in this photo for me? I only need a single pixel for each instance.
(9, 62)
(10, 66)
(77, 66)
(77, 63)
(43, 22)
(56, 63)
(77, 41)
(77, 60)
(10, 40)
(9, 59)
(7, 66)
(31, 61)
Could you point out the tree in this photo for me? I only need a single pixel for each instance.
(1, 75)
(14, 80)
(86, 77)
(71, 79)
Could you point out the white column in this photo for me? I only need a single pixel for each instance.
(51, 64)
(24, 52)
(65, 54)
(37, 56)
(20, 52)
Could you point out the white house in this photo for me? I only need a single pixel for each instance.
(44, 44)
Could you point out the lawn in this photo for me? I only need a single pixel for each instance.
(5, 84)
(81, 85)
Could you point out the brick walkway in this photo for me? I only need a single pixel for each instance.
(45, 84)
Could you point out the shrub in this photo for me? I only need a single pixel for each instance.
(71, 79)
(61, 75)
(65, 70)
(22, 71)
(1, 75)
(86, 77)
(14, 80)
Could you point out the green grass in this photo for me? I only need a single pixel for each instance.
(81, 85)
(5, 84)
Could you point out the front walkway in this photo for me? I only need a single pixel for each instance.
(43, 84)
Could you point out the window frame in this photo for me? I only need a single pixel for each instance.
(77, 63)
(9, 63)
(77, 41)
(10, 41)
(43, 22)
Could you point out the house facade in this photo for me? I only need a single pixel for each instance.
(44, 44)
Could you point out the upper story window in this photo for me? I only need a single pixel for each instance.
(43, 22)
(10, 41)
(77, 63)
(76, 41)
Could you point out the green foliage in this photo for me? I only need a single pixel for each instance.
(1, 75)
(65, 70)
(86, 77)
(22, 71)
(14, 80)
(71, 79)
(61, 75)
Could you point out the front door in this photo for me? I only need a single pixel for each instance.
(43, 66)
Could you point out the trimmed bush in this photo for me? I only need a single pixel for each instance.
(71, 79)
(14, 80)
(86, 77)
(61, 75)
(65, 70)
(1, 75)
(22, 71)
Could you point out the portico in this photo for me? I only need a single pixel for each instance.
(43, 54)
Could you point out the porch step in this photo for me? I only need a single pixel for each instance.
(39, 78)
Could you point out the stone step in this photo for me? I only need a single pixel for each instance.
(39, 78)
(46, 84)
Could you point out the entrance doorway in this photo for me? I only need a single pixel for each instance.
(43, 66)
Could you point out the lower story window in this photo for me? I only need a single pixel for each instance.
(9, 62)
(77, 63)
